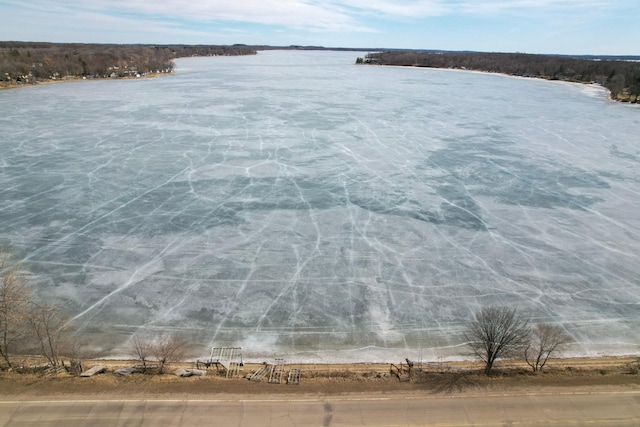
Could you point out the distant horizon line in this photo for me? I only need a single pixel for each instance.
(262, 47)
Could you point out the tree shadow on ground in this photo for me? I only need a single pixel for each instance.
(450, 382)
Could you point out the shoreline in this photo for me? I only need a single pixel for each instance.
(381, 355)
(572, 69)
(559, 362)
(48, 82)
(595, 87)
(578, 375)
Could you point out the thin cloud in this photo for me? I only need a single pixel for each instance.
(313, 15)
(399, 23)
(421, 8)
(427, 8)
(289, 13)
(492, 7)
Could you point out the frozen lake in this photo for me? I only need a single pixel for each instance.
(296, 204)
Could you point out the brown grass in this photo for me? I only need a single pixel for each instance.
(463, 377)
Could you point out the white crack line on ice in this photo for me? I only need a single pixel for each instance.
(111, 212)
(138, 275)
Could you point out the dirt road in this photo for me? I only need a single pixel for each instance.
(598, 392)
(557, 409)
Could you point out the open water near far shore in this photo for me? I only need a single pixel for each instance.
(297, 205)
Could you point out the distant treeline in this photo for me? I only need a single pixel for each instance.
(27, 62)
(621, 75)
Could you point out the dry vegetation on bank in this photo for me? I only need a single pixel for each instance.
(569, 375)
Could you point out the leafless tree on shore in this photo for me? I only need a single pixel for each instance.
(141, 350)
(546, 340)
(14, 304)
(497, 332)
(51, 332)
(163, 350)
(168, 349)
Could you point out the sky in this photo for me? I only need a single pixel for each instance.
(599, 27)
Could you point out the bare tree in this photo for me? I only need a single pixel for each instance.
(14, 303)
(168, 349)
(163, 350)
(51, 332)
(546, 339)
(26, 324)
(77, 351)
(141, 349)
(496, 332)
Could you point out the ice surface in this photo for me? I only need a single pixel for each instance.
(294, 203)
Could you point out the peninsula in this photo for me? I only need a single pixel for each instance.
(619, 74)
(33, 62)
